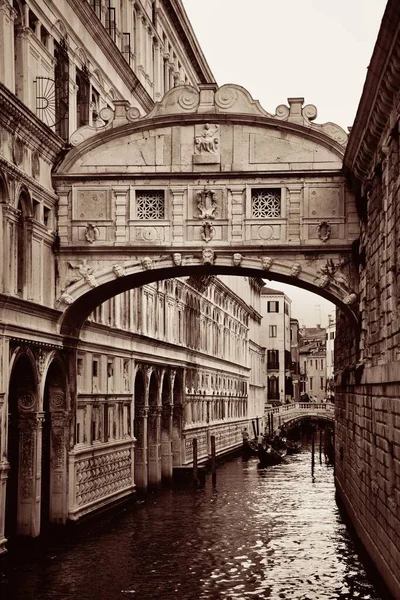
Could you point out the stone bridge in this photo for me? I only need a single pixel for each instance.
(290, 414)
(207, 183)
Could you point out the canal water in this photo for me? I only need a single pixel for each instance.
(271, 533)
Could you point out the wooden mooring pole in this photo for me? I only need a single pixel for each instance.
(312, 453)
(195, 472)
(213, 461)
(320, 446)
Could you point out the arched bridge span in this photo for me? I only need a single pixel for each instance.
(207, 183)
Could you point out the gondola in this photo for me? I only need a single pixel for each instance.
(268, 456)
(293, 447)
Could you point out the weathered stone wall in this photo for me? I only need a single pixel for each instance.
(367, 366)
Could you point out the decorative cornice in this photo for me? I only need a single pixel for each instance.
(106, 45)
(16, 116)
(177, 15)
(380, 90)
(33, 183)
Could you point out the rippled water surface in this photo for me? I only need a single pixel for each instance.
(258, 534)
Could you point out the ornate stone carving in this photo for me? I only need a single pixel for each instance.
(102, 475)
(200, 283)
(350, 299)
(41, 356)
(66, 299)
(17, 150)
(57, 399)
(266, 262)
(331, 273)
(296, 270)
(35, 164)
(177, 259)
(78, 271)
(237, 259)
(207, 142)
(92, 233)
(207, 231)
(207, 204)
(26, 401)
(208, 256)
(118, 270)
(324, 231)
(147, 263)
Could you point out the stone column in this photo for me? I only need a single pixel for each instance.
(176, 434)
(141, 479)
(154, 446)
(29, 476)
(59, 473)
(157, 71)
(7, 69)
(166, 437)
(4, 465)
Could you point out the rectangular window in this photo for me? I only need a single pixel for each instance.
(286, 309)
(322, 383)
(150, 204)
(95, 368)
(311, 382)
(265, 203)
(272, 306)
(273, 331)
(310, 362)
(61, 89)
(82, 96)
(332, 335)
(322, 363)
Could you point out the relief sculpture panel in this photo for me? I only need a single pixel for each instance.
(91, 205)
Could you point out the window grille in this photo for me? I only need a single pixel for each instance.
(150, 205)
(265, 203)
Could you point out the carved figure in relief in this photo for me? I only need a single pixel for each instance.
(331, 273)
(237, 259)
(92, 233)
(78, 271)
(66, 299)
(206, 204)
(208, 256)
(177, 259)
(296, 270)
(207, 231)
(266, 262)
(147, 263)
(118, 270)
(207, 141)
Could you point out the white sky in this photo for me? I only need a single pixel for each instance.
(316, 49)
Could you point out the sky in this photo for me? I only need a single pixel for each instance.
(315, 49)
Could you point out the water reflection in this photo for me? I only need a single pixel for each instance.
(258, 534)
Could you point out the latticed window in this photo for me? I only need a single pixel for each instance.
(150, 204)
(265, 203)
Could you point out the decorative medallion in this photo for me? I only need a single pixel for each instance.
(26, 401)
(57, 400)
(207, 231)
(17, 150)
(35, 164)
(324, 231)
(206, 204)
(92, 233)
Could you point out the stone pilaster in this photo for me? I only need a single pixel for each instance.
(178, 217)
(59, 474)
(121, 216)
(166, 442)
(154, 446)
(237, 212)
(141, 478)
(29, 476)
(7, 70)
(22, 82)
(294, 216)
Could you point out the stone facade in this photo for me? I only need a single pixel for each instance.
(367, 361)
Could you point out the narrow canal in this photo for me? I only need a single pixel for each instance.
(259, 534)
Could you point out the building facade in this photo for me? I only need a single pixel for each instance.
(330, 357)
(276, 337)
(84, 425)
(313, 364)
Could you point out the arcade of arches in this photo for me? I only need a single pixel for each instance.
(106, 384)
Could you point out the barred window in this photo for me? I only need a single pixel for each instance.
(150, 204)
(265, 203)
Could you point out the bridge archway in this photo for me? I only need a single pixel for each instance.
(207, 183)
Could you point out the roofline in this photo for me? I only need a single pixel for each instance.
(180, 19)
(380, 87)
